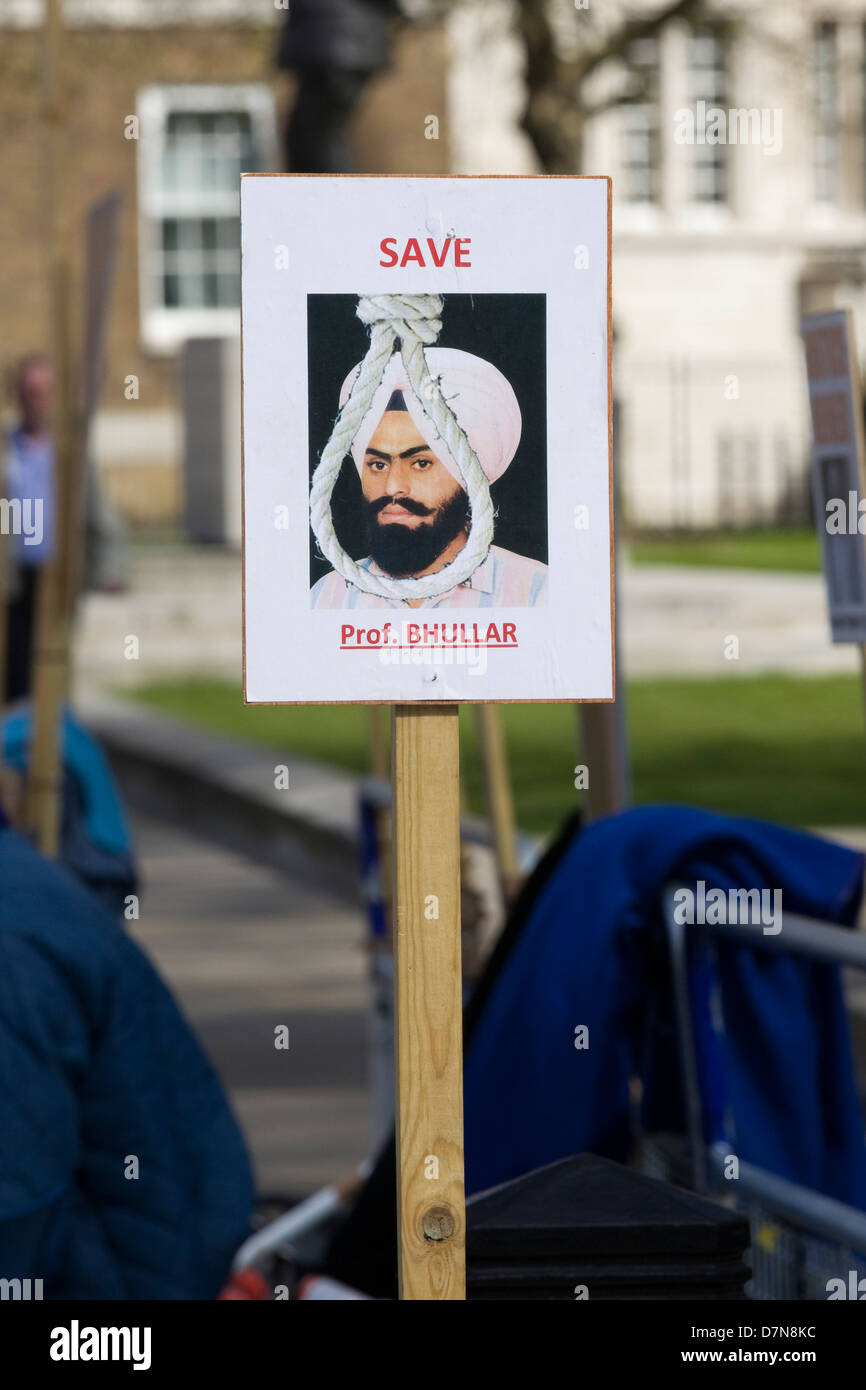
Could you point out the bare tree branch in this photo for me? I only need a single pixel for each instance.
(618, 42)
(557, 105)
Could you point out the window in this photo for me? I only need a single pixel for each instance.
(707, 84)
(194, 143)
(826, 109)
(641, 124)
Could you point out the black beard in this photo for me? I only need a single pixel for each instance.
(402, 550)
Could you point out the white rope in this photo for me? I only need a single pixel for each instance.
(414, 320)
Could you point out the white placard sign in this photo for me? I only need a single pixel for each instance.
(837, 467)
(427, 444)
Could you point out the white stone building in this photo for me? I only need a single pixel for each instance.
(718, 247)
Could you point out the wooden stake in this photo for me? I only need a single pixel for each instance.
(428, 1004)
(5, 597)
(44, 783)
(603, 749)
(379, 766)
(500, 804)
(51, 646)
(378, 740)
(603, 736)
(10, 778)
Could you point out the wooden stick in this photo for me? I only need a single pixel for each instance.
(380, 767)
(6, 572)
(378, 741)
(44, 783)
(603, 750)
(11, 783)
(500, 804)
(51, 646)
(428, 1005)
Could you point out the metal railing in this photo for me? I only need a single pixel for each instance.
(799, 1236)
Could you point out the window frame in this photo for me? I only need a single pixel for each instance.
(827, 154)
(706, 157)
(163, 329)
(642, 123)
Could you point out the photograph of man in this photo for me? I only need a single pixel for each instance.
(416, 507)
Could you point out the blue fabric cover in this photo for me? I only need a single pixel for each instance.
(593, 952)
(97, 1064)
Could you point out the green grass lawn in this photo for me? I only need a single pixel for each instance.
(789, 549)
(789, 749)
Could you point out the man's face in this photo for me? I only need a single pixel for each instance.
(415, 507)
(34, 394)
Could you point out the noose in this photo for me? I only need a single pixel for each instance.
(414, 320)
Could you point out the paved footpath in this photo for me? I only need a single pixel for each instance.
(184, 607)
(244, 950)
(677, 620)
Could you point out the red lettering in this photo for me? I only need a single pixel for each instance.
(412, 253)
(345, 633)
(414, 632)
(438, 261)
(385, 246)
(509, 632)
(492, 633)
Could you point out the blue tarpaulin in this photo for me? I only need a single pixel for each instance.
(592, 953)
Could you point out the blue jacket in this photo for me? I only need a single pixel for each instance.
(95, 842)
(97, 1068)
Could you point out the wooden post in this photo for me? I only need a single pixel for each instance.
(6, 570)
(10, 778)
(379, 766)
(51, 646)
(428, 1004)
(378, 741)
(52, 620)
(603, 748)
(500, 805)
(603, 734)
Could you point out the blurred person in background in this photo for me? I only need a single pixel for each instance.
(335, 47)
(30, 479)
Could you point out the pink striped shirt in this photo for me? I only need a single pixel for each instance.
(504, 580)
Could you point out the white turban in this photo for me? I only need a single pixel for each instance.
(480, 397)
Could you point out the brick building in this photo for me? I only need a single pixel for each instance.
(200, 79)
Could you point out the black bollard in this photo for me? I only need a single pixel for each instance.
(589, 1228)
